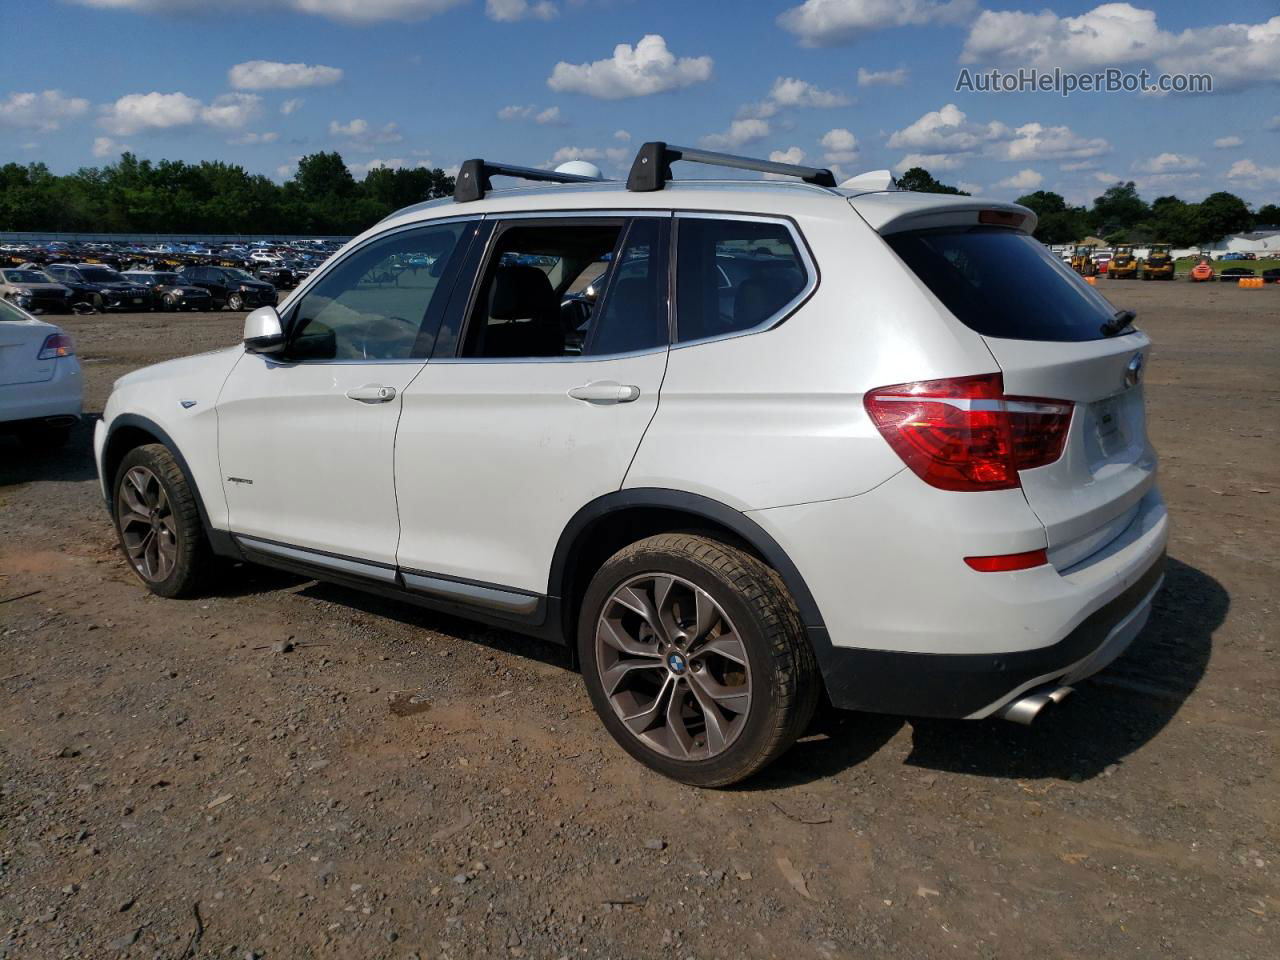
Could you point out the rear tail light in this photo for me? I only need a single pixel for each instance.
(965, 434)
(56, 345)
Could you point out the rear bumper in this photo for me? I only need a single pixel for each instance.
(58, 397)
(973, 686)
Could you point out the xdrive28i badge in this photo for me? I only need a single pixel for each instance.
(1133, 372)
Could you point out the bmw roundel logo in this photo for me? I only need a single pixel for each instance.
(1133, 373)
(676, 663)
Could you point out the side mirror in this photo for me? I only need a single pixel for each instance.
(263, 332)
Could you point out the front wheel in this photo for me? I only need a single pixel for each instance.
(158, 522)
(695, 658)
(235, 302)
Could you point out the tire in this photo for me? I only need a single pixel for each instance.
(170, 302)
(99, 306)
(755, 621)
(178, 527)
(235, 302)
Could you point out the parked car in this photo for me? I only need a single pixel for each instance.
(41, 391)
(100, 286)
(34, 290)
(279, 274)
(920, 487)
(230, 286)
(169, 292)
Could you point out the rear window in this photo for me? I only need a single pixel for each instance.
(1001, 283)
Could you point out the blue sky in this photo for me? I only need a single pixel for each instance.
(854, 84)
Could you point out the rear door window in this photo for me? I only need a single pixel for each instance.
(733, 276)
(1001, 283)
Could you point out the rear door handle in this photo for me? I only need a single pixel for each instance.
(372, 393)
(605, 391)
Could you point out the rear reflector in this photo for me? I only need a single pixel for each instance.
(56, 345)
(965, 434)
(1009, 561)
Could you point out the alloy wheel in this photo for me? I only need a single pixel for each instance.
(673, 666)
(147, 525)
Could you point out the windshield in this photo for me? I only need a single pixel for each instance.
(26, 276)
(100, 275)
(1001, 283)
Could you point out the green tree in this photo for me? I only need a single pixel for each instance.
(1057, 222)
(920, 180)
(1220, 214)
(1119, 208)
(1268, 214)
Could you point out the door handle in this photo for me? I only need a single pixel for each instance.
(605, 391)
(372, 393)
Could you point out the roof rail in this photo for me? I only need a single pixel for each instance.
(473, 178)
(651, 168)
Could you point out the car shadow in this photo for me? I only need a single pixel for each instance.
(1108, 717)
(71, 463)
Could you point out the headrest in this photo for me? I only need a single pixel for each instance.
(519, 292)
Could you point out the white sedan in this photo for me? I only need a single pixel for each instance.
(41, 390)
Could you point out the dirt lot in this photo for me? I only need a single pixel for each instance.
(171, 787)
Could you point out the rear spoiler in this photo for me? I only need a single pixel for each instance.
(896, 212)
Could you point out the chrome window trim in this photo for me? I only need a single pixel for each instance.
(812, 277)
(568, 358)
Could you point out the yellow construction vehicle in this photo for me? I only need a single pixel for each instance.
(1124, 265)
(1082, 261)
(1159, 263)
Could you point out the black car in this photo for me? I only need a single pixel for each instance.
(169, 291)
(100, 286)
(231, 287)
(279, 275)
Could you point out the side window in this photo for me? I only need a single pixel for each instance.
(372, 305)
(732, 275)
(633, 315)
(538, 293)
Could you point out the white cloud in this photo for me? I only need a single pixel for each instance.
(882, 78)
(271, 75)
(947, 130)
(742, 131)
(254, 139)
(1036, 141)
(930, 161)
(823, 23)
(506, 11)
(967, 187)
(357, 11)
(1078, 165)
(612, 155)
(790, 155)
(43, 111)
(136, 112)
(232, 111)
(647, 68)
(1246, 171)
(291, 105)
(1226, 143)
(550, 117)
(360, 170)
(1237, 55)
(841, 148)
(1167, 163)
(1022, 180)
(150, 111)
(790, 92)
(622, 136)
(362, 136)
(106, 147)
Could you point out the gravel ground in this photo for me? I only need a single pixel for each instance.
(175, 782)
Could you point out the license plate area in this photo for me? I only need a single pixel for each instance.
(1106, 422)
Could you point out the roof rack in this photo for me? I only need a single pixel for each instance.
(473, 178)
(651, 168)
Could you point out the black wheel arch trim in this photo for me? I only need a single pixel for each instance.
(692, 503)
(220, 541)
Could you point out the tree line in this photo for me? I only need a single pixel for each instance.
(171, 196)
(322, 197)
(1120, 215)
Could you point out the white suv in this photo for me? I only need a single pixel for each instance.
(743, 444)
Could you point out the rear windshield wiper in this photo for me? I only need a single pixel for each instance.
(1122, 321)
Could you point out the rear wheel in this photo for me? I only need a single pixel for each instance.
(158, 522)
(235, 302)
(695, 658)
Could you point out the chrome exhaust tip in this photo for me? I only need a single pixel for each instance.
(1027, 707)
